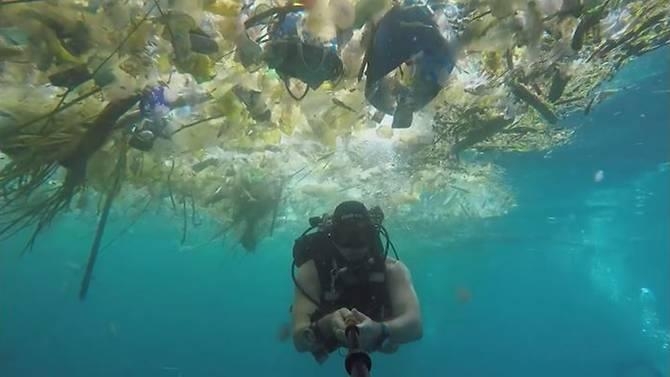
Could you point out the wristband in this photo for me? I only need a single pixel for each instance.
(384, 336)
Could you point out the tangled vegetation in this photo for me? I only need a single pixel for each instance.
(238, 147)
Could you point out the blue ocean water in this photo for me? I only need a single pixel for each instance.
(554, 288)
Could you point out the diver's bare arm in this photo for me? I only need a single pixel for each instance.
(303, 307)
(406, 324)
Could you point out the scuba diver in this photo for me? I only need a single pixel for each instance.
(406, 34)
(289, 48)
(155, 106)
(154, 110)
(342, 275)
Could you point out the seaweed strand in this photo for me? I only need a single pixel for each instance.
(99, 232)
(185, 224)
(169, 185)
(194, 217)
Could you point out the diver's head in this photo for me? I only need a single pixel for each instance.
(353, 231)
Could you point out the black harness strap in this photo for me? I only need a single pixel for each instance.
(342, 285)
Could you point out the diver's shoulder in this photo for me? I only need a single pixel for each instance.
(307, 272)
(395, 266)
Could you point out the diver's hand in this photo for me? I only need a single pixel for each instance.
(369, 331)
(335, 323)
